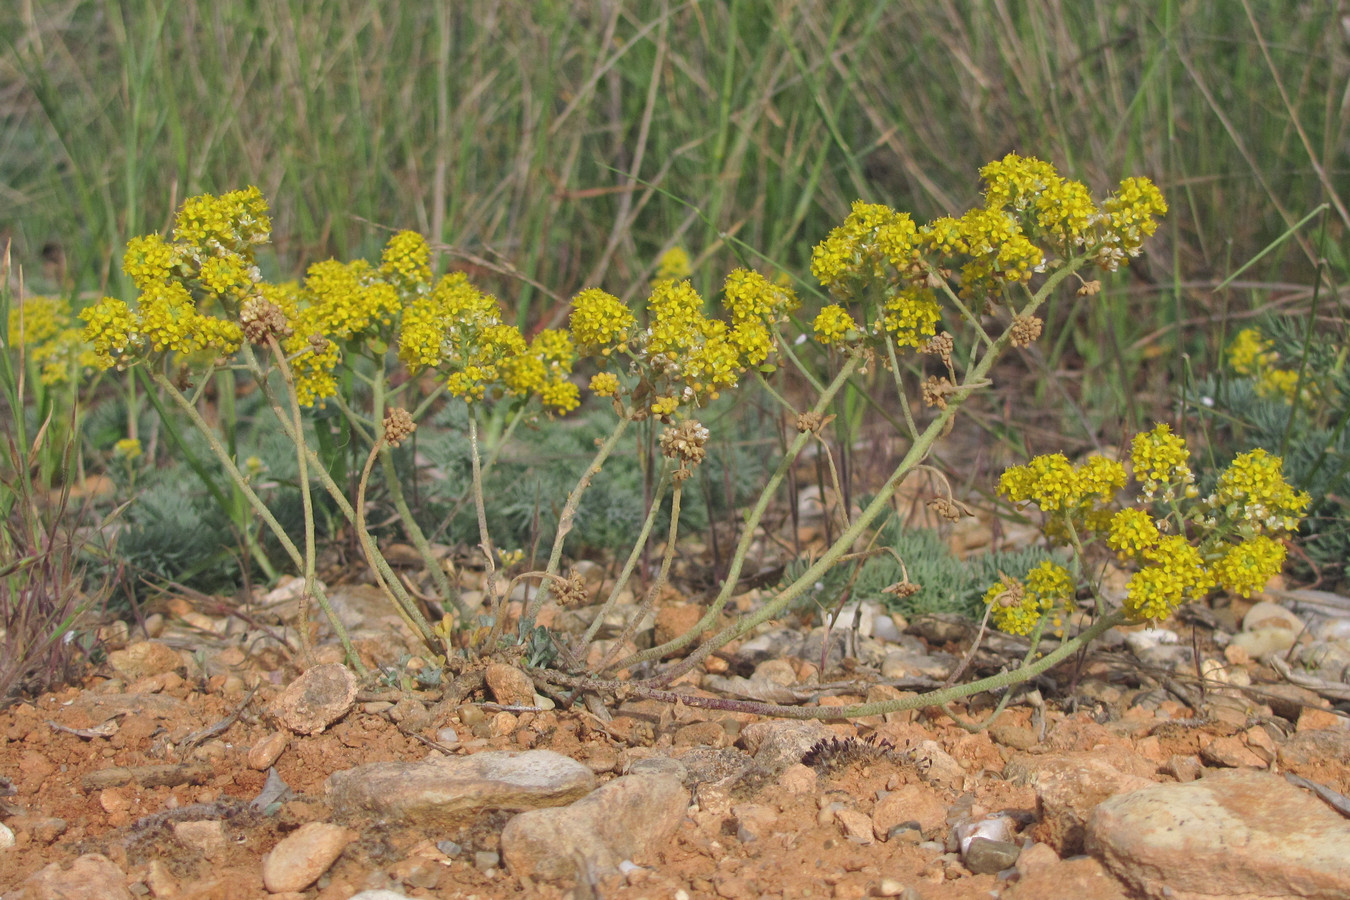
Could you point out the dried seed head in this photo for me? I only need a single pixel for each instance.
(1025, 330)
(904, 588)
(573, 591)
(1089, 288)
(318, 343)
(260, 318)
(685, 442)
(945, 508)
(941, 345)
(398, 426)
(936, 390)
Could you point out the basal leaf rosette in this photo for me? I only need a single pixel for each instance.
(682, 358)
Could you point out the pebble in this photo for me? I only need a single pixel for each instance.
(315, 700)
(1181, 838)
(448, 790)
(262, 755)
(206, 836)
(379, 894)
(508, 685)
(90, 877)
(1271, 615)
(6, 837)
(777, 744)
(857, 826)
(909, 803)
(143, 659)
(988, 857)
(1068, 787)
(301, 857)
(1264, 641)
(629, 818)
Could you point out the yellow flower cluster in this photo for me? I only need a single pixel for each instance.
(672, 266)
(1253, 356)
(1172, 573)
(45, 327)
(601, 323)
(682, 356)
(1252, 491)
(1055, 485)
(190, 288)
(833, 324)
(1017, 608)
(1228, 540)
(1160, 459)
(406, 261)
(458, 329)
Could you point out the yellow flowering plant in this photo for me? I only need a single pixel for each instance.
(963, 290)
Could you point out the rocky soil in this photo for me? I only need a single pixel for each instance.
(199, 764)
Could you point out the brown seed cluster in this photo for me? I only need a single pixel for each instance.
(260, 318)
(685, 443)
(941, 345)
(398, 426)
(1025, 330)
(936, 390)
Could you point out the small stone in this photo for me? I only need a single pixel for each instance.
(301, 857)
(753, 821)
(937, 766)
(90, 877)
(1036, 858)
(798, 779)
(144, 659)
(447, 790)
(1019, 737)
(1068, 787)
(262, 755)
(986, 857)
(1271, 615)
(888, 887)
(777, 744)
(627, 818)
(1264, 641)
(379, 894)
(508, 685)
(1183, 768)
(857, 825)
(675, 621)
(775, 671)
(6, 837)
(315, 700)
(939, 628)
(1182, 838)
(160, 880)
(1230, 752)
(206, 836)
(702, 734)
(486, 859)
(1313, 719)
(909, 803)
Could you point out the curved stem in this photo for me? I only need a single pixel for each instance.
(568, 514)
(748, 531)
(857, 710)
(259, 507)
(579, 649)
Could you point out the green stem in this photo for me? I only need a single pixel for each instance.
(635, 554)
(260, 508)
(568, 514)
(748, 531)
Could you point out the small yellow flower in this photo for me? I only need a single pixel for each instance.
(1246, 567)
(127, 448)
(833, 325)
(600, 321)
(1131, 533)
(673, 264)
(604, 384)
